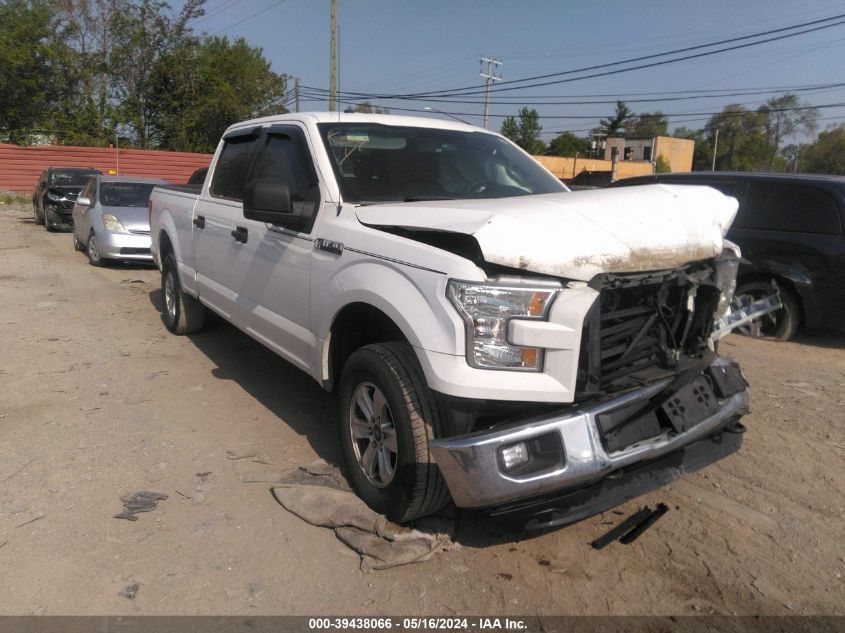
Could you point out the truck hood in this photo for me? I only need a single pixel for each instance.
(579, 234)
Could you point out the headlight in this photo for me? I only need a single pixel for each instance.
(112, 224)
(55, 197)
(487, 308)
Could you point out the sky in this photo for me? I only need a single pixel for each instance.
(416, 48)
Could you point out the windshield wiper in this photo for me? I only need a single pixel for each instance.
(425, 198)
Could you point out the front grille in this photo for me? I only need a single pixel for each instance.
(134, 251)
(639, 328)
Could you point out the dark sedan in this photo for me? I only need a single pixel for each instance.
(55, 193)
(791, 229)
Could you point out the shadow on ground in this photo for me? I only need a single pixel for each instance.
(298, 401)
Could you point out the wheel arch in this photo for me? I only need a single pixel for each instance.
(355, 325)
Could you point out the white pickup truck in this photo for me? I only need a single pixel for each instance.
(493, 338)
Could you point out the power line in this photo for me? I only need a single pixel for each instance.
(254, 15)
(311, 97)
(681, 95)
(824, 23)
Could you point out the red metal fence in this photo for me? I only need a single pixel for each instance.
(21, 166)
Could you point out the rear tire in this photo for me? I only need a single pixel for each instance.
(387, 419)
(780, 325)
(182, 313)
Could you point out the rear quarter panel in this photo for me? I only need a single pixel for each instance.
(171, 214)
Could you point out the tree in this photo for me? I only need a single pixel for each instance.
(785, 116)
(526, 133)
(661, 165)
(568, 144)
(510, 129)
(742, 139)
(617, 124)
(201, 88)
(826, 155)
(28, 69)
(648, 125)
(145, 32)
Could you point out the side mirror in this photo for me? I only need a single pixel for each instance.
(268, 200)
(82, 201)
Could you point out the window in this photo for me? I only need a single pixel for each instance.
(282, 157)
(88, 191)
(379, 163)
(232, 167)
(647, 152)
(125, 194)
(789, 207)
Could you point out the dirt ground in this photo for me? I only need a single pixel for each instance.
(98, 400)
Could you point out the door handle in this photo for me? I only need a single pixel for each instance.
(240, 234)
(199, 221)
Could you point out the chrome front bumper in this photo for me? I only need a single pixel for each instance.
(476, 476)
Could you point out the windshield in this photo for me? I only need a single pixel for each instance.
(380, 163)
(125, 194)
(71, 177)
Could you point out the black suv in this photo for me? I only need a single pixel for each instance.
(790, 230)
(55, 193)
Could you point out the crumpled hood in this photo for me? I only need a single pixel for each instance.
(579, 234)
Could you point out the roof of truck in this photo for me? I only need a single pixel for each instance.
(356, 117)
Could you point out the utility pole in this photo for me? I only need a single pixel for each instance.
(333, 61)
(490, 76)
(296, 91)
(715, 147)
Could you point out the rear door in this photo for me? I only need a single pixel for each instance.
(214, 216)
(271, 265)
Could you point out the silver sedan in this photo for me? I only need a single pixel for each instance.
(111, 219)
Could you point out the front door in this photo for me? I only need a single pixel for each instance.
(272, 265)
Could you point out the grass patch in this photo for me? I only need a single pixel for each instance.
(8, 197)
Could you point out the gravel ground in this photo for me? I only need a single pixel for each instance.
(97, 400)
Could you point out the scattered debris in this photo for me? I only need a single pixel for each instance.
(132, 281)
(504, 575)
(631, 528)
(620, 530)
(139, 502)
(179, 492)
(235, 456)
(197, 388)
(634, 534)
(316, 495)
(88, 409)
(17, 471)
(130, 591)
(38, 518)
(203, 476)
(802, 387)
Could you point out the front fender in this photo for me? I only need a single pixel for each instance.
(415, 301)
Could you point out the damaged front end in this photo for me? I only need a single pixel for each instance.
(653, 401)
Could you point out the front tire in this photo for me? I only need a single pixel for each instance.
(39, 218)
(387, 419)
(77, 245)
(49, 227)
(780, 325)
(183, 314)
(94, 257)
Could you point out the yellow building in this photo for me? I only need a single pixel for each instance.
(676, 151)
